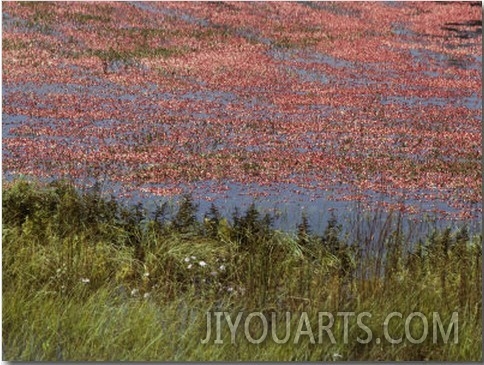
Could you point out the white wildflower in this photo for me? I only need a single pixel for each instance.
(134, 292)
(222, 268)
(187, 259)
(85, 280)
(146, 295)
(202, 263)
(189, 266)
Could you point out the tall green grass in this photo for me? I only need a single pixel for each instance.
(87, 278)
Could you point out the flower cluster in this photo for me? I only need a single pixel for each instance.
(206, 274)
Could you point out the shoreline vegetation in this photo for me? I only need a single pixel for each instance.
(88, 278)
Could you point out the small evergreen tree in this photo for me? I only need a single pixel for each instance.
(186, 218)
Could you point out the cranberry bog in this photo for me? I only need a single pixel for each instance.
(357, 125)
(310, 107)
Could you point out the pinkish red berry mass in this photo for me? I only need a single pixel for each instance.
(371, 102)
